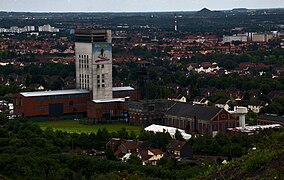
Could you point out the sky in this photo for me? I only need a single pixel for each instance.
(133, 5)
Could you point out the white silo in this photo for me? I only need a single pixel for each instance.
(241, 112)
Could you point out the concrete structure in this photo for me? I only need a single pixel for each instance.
(235, 37)
(263, 37)
(93, 51)
(241, 112)
(47, 28)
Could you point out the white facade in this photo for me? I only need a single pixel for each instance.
(47, 28)
(94, 62)
(239, 37)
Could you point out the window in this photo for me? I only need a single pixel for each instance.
(103, 66)
(215, 126)
(103, 85)
(223, 116)
(98, 81)
(98, 76)
(98, 66)
(98, 86)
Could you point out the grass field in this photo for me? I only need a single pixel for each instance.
(74, 126)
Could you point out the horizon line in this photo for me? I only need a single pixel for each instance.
(150, 11)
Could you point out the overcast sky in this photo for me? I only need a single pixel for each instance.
(133, 5)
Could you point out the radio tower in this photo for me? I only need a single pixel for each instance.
(176, 27)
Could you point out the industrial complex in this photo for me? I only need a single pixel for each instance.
(94, 96)
(97, 99)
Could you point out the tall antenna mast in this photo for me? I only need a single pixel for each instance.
(176, 27)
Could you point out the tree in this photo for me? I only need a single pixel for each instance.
(178, 136)
(109, 154)
(134, 160)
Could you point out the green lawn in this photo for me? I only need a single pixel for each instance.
(74, 126)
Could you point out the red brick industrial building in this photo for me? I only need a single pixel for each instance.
(199, 119)
(69, 104)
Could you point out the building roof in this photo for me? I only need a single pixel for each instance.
(271, 117)
(144, 155)
(156, 151)
(249, 129)
(123, 88)
(54, 93)
(171, 130)
(189, 111)
(130, 145)
(222, 101)
(176, 145)
(109, 100)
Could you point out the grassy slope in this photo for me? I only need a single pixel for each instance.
(75, 126)
(267, 162)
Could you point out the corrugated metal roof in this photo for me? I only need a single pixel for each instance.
(54, 93)
(124, 88)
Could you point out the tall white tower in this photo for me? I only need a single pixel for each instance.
(176, 27)
(241, 112)
(93, 51)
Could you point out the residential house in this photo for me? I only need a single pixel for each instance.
(150, 156)
(130, 147)
(114, 143)
(179, 150)
(200, 101)
(177, 97)
(256, 106)
(223, 104)
(273, 94)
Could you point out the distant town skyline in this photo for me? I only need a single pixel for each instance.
(133, 5)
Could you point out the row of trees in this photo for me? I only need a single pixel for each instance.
(26, 151)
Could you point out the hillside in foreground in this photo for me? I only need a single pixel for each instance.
(266, 161)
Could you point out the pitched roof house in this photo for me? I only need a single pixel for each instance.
(150, 156)
(179, 150)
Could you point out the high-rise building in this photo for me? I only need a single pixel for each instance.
(94, 62)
